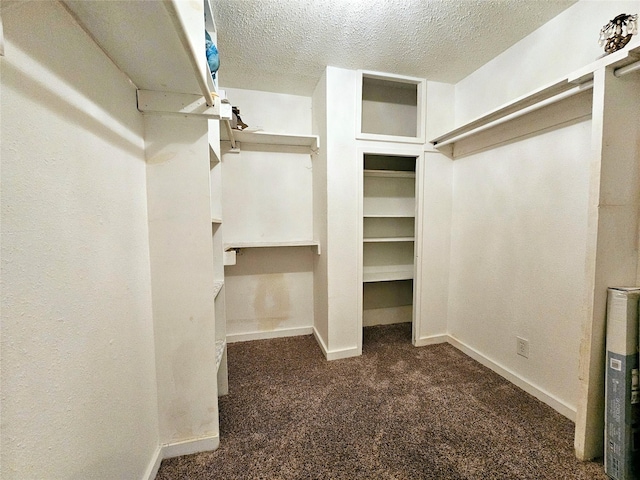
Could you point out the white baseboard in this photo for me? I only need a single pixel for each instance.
(431, 340)
(170, 450)
(154, 465)
(335, 354)
(545, 397)
(188, 447)
(285, 332)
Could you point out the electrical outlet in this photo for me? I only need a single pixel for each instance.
(522, 347)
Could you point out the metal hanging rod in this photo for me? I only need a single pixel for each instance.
(619, 72)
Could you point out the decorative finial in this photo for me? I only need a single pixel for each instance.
(617, 33)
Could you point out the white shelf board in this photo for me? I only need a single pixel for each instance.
(384, 215)
(387, 274)
(217, 220)
(220, 346)
(389, 174)
(266, 138)
(292, 243)
(217, 288)
(147, 41)
(388, 239)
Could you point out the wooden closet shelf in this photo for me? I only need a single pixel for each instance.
(387, 274)
(167, 57)
(389, 174)
(292, 243)
(388, 215)
(266, 138)
(388, 239)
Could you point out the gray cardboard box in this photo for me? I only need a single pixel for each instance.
(622, 413)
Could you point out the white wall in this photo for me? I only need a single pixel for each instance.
(269, 292)
(440, 109)
(267, 194)
(272, 112)
(181, 252)
(78, 372)
(517, 256)
(564, 44)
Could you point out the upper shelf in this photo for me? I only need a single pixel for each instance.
(159, 45)
(265, 138)
(571, 84)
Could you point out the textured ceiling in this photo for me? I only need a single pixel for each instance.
(284, 45)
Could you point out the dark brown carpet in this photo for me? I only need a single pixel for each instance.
(396, 412)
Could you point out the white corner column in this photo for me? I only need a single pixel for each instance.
(434, 248)
(612, 241)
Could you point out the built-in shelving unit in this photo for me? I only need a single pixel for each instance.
(217, 226)
(388, 237)
(160, 47)
(219, 260)
(390, 108)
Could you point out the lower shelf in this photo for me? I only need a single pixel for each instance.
(387, 274)
(220, 346)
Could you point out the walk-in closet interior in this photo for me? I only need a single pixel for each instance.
(143, 231)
